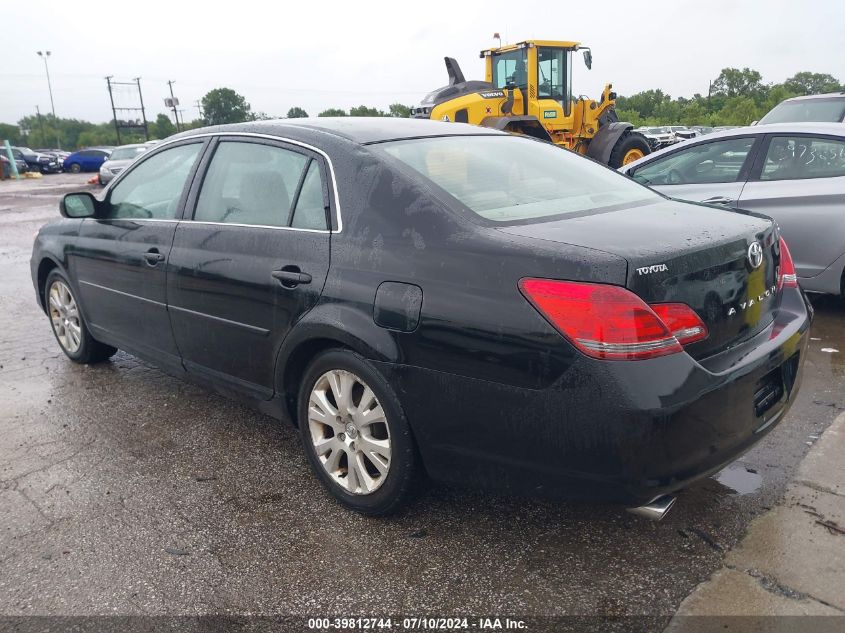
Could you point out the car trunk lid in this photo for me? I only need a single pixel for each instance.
(686, 253)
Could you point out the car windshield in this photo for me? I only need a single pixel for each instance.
(807, 110)
(126, 153)
(511, 179)
(658, 130)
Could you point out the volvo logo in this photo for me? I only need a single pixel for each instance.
(755, 255)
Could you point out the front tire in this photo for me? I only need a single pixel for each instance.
(355, 434)
(631, 146)
(67, 323)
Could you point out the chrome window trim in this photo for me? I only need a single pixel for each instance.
(272, 137)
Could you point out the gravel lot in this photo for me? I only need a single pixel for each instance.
(126, 491)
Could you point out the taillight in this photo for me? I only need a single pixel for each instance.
(786, 271)
(682, 321)
(602, 321)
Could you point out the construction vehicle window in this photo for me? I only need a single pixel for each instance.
(551, 73)
(510, 68)
(504, 178)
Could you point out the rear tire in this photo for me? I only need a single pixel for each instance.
(75, 168)
(355, 434)
(631, 146)
(67, 323)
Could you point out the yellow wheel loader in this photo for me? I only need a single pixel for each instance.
(528, 90)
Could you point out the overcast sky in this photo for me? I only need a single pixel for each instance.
(340, 54)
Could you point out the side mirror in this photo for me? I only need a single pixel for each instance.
(588, 59)
(78, 205)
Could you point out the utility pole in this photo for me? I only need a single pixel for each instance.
(143, 113)
(175, 103)
(41, 126)
(50, 88)
(113, 111)
(199, 107)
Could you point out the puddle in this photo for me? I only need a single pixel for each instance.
(738, 478)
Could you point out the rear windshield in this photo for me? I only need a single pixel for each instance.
(511, 179)
(807, 110)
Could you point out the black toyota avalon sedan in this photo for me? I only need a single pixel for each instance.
(433, 298)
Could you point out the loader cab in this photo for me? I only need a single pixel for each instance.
(542, 70)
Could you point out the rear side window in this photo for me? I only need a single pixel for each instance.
(256, 184)
(310, 211)
(791, 158)
(713, 162)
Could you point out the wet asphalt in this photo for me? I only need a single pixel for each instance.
(126, 491)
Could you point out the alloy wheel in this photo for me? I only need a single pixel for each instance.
(349, 432)
(64, 315)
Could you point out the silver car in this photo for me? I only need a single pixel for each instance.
(827, 107)
(793, 172)
(120, 159)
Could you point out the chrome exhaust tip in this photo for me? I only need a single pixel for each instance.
(657, 509)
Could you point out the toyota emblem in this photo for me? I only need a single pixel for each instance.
(755, 255)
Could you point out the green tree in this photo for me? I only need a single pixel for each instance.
(807, 83)
(224, 105)
(297, 113)
(645, 102)
(733, 82)
(333, 112)
(11, 133)
(162, 127)
(363, 110)
(400, 111)
(738, 111)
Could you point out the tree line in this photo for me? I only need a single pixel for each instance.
(736, 97)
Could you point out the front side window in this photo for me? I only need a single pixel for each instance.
(510, 68)
(153, 188)
(791, 158)
(715, 162)
(512, 179)
(256, 184)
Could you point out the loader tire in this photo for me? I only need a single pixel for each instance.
(630, 147)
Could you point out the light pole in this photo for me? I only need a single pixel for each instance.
(44, 56)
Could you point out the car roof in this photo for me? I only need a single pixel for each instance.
(834, 129)
(362, 130)
(827, 95)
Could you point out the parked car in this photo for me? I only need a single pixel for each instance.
(793, 172)
(682, 132)
(658, 137)
(44, 163)
(89, 159)
(119, 159)
(827, 108)
(58, 153)
(495, 310)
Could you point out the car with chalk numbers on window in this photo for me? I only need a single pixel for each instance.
(427, 298)
(793, 172)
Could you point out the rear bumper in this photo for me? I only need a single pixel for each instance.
(619, 432)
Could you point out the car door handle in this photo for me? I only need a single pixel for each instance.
(153, 257)
(718, 200)
(291, 276)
